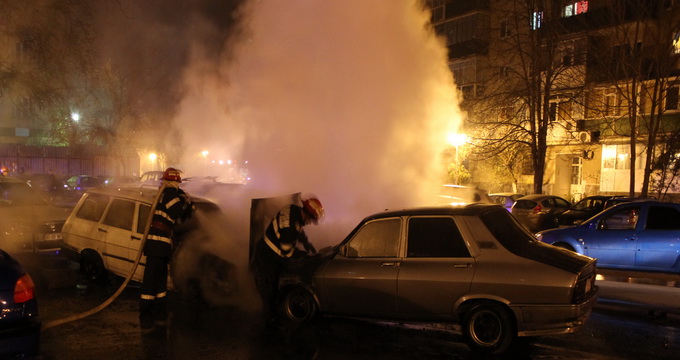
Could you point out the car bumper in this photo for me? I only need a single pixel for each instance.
(21, 340)
(70, 252)
(538, 320)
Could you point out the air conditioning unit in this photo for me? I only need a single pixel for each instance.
(584, 137)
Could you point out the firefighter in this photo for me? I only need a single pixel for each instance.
(174, 206)
(278, 246)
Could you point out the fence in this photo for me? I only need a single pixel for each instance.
(65, 161)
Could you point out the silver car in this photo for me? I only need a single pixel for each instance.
(473, 264)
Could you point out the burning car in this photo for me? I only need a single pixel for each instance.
(105, 229)
(473, 265)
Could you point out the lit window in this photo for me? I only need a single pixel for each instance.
(536, 20)
(575, 8)
(676, 43)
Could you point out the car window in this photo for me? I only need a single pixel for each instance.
(120, 214)
(378, 238)
(93, 207)
(549, 203)
(561, 203)
(435, 237)
(663, 218)
(142, 217)
(623, 219)
(524, 204)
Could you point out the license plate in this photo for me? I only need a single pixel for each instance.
(56, 236)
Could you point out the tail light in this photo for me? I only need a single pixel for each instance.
(537, 209)
(24, 290)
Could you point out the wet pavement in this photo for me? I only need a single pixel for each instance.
(236, 331)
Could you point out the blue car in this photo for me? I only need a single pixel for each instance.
(19, 322)
(639, 235)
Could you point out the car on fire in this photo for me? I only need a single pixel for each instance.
(29, 222)
(105, 231)
(19, 316)
(639, 235)
(474, 265)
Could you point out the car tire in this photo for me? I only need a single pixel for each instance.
(297, 306)
(92, 266)
(488, 328)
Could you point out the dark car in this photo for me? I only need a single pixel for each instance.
(19, 321)
(582, 210)
(640, 235)
(539, 212)
(29, 221)
(505, 199)
(444, 264)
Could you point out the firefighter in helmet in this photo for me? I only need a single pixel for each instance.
(173, 207)
(273, 252)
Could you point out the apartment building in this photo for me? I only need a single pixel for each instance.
(584, 81)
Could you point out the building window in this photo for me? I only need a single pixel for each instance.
(672, 97)
(676, 44)
(616, 157)
(536, 20)
(505, 29)
(23, 108)
(574, 8)
(576, 165)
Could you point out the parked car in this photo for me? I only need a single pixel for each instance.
(105, 229)
(77, 185)
(539, 212)
(460, 195)
(29, 221)
(472, 264)
(19, 318)
(505, 199)
(640, 235)
(119, 180)
(582, 210)
(151, 177)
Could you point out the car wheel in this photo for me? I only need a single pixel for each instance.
(297, 306)
(488, 328)
(92, 266)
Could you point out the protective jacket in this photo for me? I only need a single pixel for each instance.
(174, 206)
(285, 230)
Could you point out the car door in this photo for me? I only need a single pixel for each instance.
(81, 229)
(659, 243)
(614, 242)
(437, 269)
(142, 217)
(362, 278)
(117, 230)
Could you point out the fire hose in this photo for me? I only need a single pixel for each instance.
(106, 303)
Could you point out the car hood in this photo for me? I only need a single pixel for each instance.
(37, 213)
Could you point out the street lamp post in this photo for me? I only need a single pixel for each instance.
(456, 140)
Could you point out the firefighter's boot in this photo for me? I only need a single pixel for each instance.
(161, 311)
(146, 316)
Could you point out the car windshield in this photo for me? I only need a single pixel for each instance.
(20, 194)
(589, 204)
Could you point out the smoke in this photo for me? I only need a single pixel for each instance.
(348, 100)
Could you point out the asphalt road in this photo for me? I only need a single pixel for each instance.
(197, 331)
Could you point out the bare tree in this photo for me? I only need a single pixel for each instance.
(530, 64)
(637, 58)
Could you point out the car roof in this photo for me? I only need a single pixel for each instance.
(142, 193)
(469, 209)
(506, 194)
(9, 179)
(538, 196)
(643, 201)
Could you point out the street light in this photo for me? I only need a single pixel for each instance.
(456, 140)
(153, 157)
